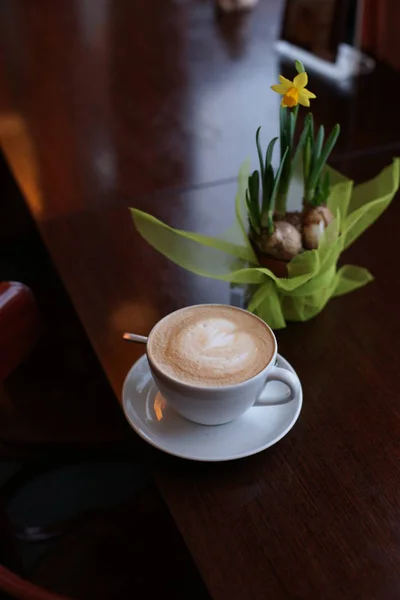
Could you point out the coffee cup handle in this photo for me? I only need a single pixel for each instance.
(286, 377)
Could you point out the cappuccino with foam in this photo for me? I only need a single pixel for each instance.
(211, 345)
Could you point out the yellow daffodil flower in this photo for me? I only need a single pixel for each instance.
(294, 92)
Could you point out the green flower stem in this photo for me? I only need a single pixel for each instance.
(280, 207)
(288, 122)
(315, 156)
(270, 225)
(309, 194)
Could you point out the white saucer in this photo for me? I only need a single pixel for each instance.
(257, 429)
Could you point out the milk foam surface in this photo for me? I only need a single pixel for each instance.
(211, 345)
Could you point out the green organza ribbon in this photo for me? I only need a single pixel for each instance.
(313, 276)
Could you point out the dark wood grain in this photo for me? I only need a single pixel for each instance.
(109, 105)
(316, 516)
(101, 102)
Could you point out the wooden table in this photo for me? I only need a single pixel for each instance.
(107, 105)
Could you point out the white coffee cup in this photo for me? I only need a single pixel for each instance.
(222, 404)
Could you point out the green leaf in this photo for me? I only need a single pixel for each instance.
(268, 187)
(248, 202)
(318, 144)
(242, 215)
(253, 213)
(299, 66)
(254, 190)
(283, 124)
(296, 112)
(302, 140)
(326, 185)
(268, 181)
(252, 222)
(260, 155)
(292, 126)
(268, 155)
(317, 199)
(317, 168)
(307, 159)
(322, 190)
(277, 179)
(292, 123)
(311, 126)
(249, 192)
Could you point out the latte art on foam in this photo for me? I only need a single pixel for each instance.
(211, 345)
(215, 344)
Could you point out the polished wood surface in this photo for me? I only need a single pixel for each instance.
(113, 104)
(104, 102)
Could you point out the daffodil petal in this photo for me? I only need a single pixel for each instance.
(285, 81)
(279, 88)
(308, 94)
(300, 81)
(303, 100)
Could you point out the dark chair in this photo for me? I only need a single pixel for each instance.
(19, 330)
(21, 589)
(19, 325)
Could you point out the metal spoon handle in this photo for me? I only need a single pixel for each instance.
(133, 337)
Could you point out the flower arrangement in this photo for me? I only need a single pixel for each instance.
(276, 234)
(288, 259)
